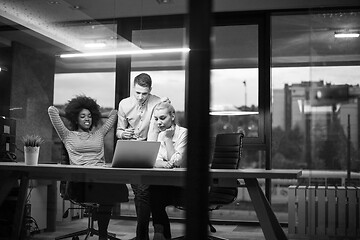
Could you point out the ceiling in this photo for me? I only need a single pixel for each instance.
(57, 26)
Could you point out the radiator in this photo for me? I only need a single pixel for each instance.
(324, 211)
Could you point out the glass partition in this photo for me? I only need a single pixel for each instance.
(98, 85)
(315, 86)
(234, 102)
(315, 114)
(234, 92)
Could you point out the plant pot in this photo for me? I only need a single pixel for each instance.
(31, 155)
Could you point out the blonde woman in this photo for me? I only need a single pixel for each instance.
(171, 154)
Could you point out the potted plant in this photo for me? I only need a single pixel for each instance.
(31, 148)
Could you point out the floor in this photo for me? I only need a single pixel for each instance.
(125, 229)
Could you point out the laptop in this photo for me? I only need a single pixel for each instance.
(135, 154)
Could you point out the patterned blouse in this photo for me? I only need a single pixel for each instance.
(84, 148)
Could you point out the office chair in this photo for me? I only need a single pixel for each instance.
(227, 155)
(68, 191)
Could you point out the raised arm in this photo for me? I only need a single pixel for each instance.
(110, 121)
(55, 118)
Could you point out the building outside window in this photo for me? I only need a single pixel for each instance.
(315, 92)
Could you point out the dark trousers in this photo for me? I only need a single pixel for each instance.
(143, 211)
(160, 198)
(103, 216)
(106, 195)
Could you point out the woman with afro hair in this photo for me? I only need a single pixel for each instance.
(84, 144)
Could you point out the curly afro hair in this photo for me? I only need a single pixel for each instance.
(78, 103)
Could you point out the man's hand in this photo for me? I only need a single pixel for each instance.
(128, 134)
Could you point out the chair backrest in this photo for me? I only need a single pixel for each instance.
(227, 155)
(228, 151)
(64, 155)
(71, 191)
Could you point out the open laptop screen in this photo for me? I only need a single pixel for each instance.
(135, 154)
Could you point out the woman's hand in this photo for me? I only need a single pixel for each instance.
(167, 134)
(163, 164)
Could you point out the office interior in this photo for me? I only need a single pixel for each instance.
(287, 73)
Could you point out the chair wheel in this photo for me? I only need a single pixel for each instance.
(75, 238)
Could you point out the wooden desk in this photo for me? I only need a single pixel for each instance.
(11, 172)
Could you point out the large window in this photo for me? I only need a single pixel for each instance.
(234, 94)
(235, 102)
(99, 86)
(167, 71)
(315, 91)
(258, 53)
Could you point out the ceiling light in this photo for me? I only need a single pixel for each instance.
(3, 69)
(164, 1)
(346, 34)
(76, 7)
(129, 52)
(233, 113)
(53, 2)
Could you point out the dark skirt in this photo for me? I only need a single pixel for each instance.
(105, 193)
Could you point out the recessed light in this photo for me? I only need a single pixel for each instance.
(76, 7)
(53, 2)
(164, 1)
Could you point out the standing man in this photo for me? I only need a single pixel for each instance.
(134, 117)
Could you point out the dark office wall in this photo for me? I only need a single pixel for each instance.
(32, 90)
(5, 81)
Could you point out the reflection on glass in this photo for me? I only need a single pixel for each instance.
(235, 81)
(99, 86)
(169, 84)
(157, 39)
(315, 92)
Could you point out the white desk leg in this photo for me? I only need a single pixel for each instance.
(268, 221)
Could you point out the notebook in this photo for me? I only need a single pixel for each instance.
(135, 154)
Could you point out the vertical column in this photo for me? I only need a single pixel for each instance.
(291, 209)
(197, 108)
(122, 80)
(123, 65)
(352, 203)
(341, 210)
(321, 210)
(331, 208)
(311, 194)
(302, 211)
